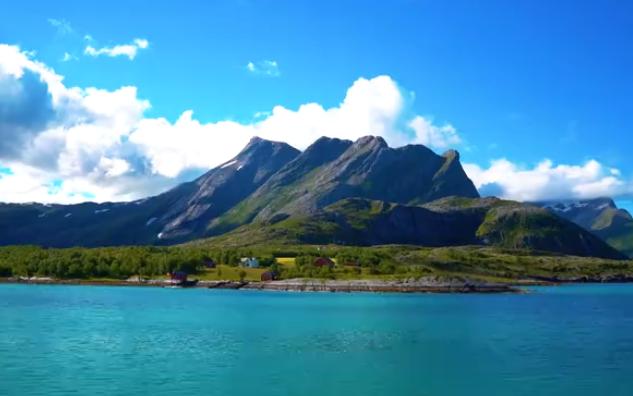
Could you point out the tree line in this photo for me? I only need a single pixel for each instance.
(147, 261)
(113, 262)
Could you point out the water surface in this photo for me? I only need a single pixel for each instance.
(85, 340)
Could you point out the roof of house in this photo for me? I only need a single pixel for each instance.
(178, 275)
(321, 261)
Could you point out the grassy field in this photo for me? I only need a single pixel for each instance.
(225, 272)
(286, 261)
(473, 262)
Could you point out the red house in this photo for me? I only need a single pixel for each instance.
(269, 276)
(178, 277)
(323, 262)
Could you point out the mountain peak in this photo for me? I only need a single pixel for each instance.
(371, 141)
(451, 155)
(259, 144)
(255, 139)
(326, 147)
(327, 139)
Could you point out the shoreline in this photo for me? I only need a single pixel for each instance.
(422, 285)
(431, 285)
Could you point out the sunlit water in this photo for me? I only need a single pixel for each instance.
(568, 340)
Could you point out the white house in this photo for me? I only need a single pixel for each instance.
(250, 262)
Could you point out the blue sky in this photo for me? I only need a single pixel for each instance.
(523, 81)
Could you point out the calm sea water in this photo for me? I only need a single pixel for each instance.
(569, 340)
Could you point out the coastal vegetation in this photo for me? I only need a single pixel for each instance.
(297, 261)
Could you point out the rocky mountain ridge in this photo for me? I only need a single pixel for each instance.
(335, 191)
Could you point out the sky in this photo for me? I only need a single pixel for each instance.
(120, 100)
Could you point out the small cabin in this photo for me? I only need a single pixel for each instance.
(323, 262)
(178, 277)
(269, 276)
(249, 262)
(209, 263)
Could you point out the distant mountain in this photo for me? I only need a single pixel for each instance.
(446, 222)
(333, 169)
(602, 217)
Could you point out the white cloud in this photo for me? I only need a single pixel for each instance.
(100, 142)
(440, 137)
(62, 25)
(269, 68)
(67, 57)
(113, 167)
(129, 50)
(371, 107)
(547, 181)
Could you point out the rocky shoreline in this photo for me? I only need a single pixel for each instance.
(422, 285)
(609, 278)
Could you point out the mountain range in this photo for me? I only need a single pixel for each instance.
(335, 191)
(602, 217)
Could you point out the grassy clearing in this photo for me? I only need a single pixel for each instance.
(286, 261)
(225, 272)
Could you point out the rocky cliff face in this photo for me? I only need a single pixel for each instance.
(223, 187)
(331, 170)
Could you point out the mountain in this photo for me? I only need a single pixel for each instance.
(449, 221)
(336, 191)
(333, 169)
(179, 214)
(221, 188)
(601, 216)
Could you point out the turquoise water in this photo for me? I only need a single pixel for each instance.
(569, 340)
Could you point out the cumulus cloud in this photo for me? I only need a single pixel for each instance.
(547, 181)
(68, 144)
(90, 142)
(130, 50)
(268, 68)
(440, 137)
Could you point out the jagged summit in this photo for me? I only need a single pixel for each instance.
(333, 169)
(371, 141)
(451, 154)
(226, 185)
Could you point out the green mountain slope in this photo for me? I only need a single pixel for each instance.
(445, 222)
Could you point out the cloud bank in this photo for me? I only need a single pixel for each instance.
(64, 144)
(547, 181)
(70, 144)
